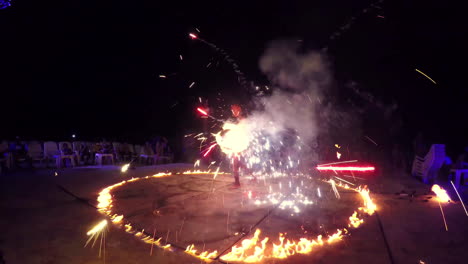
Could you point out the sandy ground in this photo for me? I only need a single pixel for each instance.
(42, 224)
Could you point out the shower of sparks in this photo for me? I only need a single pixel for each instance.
(425, 75)
(337, 168)
(459, 197)
(96, 232)
(125, 167)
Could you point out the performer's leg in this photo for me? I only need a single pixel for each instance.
(235, 168)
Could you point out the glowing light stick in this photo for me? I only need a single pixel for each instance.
(338, 168)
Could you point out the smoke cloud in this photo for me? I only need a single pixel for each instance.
(298, 79)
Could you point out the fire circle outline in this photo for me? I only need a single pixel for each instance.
(283, 250)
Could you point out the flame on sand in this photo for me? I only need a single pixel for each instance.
(252, 249)
(442, 195)
(125, 167)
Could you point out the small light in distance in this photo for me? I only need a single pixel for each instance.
(73, 136)
(193, 36)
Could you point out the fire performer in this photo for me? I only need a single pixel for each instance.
(236, 113)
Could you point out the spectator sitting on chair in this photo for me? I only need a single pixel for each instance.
(84, 152)
(462, 161)
(66, 150)
(20, 153)
(107, 148)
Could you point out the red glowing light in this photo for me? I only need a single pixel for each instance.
(203, 112)
(193, 36)
(338, 168)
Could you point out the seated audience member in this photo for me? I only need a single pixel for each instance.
(84, 152)
(107, 148)
(462, 161)
(66, 149)
(124, 151)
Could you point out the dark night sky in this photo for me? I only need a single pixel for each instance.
(92, 67)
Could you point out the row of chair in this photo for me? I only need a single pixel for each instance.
(77, 152)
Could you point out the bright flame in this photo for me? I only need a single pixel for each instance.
(125, 167)
(338, 168)
(442, 195)
(255, 249)
(369, 205)
(235, 138)
(354, 221)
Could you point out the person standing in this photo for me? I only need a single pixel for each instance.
(236, 163)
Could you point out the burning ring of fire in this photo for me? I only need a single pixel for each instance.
(251, 249)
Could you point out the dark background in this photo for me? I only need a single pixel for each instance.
(91, 68)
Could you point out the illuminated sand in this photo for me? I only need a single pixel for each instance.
(42, 224)
(194, 209)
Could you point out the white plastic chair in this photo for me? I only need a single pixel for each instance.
(51, 151)
(148, 154)
(428, 167)
(35, 151)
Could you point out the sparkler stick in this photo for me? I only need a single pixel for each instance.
(459, 197)
(443, 216)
